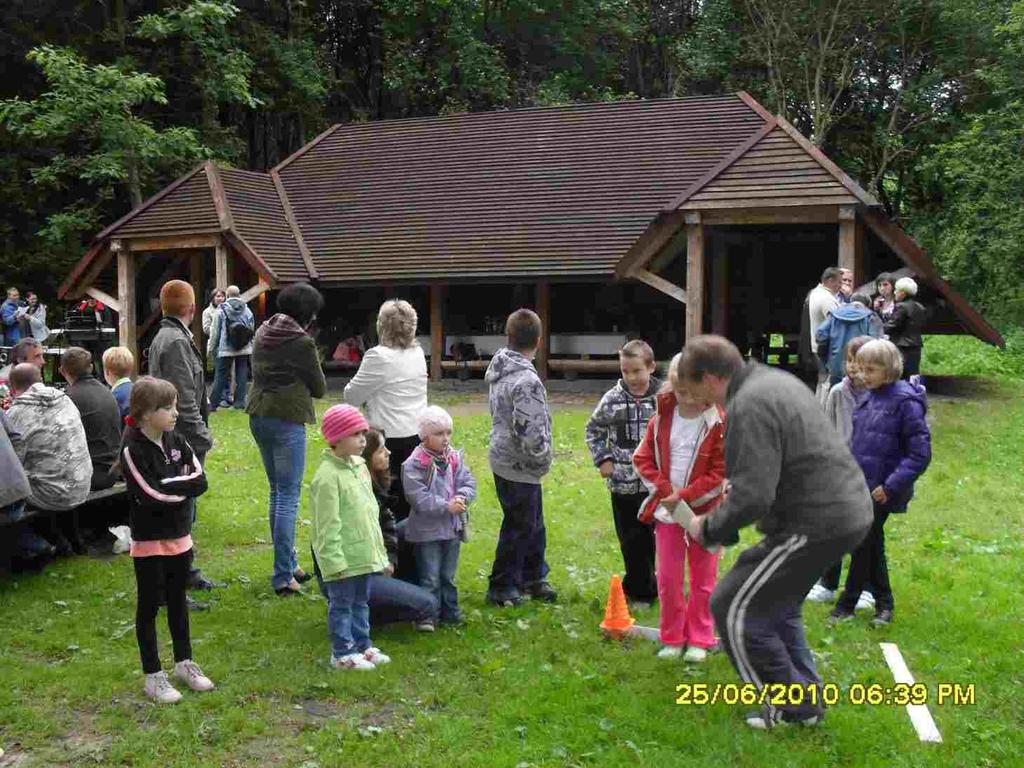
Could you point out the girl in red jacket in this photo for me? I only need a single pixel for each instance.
(682, 462)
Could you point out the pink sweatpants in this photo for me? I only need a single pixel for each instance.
(684, 621)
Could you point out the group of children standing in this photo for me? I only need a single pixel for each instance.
(661, 450)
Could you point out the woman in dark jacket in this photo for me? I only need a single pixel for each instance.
(892, 444)
(286, 377)
(905, 324)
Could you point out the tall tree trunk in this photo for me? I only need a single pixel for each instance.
(134, 185)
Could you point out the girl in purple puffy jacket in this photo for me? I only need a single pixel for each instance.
(892, 444)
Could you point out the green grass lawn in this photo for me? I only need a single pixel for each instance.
(532, 686)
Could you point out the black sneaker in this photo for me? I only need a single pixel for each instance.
(765, 719)
(543, 591)
(839, 615)
(504, 599)
(883, 618)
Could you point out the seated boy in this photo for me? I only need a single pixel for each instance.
(118, 367)
(52, 448)
(520, 455)
(98, 410)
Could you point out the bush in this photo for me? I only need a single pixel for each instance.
(967, 356)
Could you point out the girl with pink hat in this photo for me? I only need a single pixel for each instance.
(346, 537)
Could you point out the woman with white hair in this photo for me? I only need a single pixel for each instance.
(905, 325)
(391, 388)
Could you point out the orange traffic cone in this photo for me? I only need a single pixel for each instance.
(616, 613)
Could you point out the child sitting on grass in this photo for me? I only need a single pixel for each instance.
(892, 444)
(163, 475)
(347, 542)
(439, 488)
(682, 461)
(118, 366)
(613, 433)
(842, 400)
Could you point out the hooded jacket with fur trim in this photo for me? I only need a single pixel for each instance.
(706, 473)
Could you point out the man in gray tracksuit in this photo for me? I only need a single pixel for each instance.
(806, 494)
(520, 455)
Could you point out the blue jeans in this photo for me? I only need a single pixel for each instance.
(282, 445)
(348, 614)
(221, 370)
(522, 541)
(437, 562)
(393, 600)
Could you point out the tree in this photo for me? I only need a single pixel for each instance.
(100, 144)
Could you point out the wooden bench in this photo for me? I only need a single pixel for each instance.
(29, 514)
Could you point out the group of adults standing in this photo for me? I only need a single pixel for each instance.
(22, 318)
(835, 313)
(390, 385)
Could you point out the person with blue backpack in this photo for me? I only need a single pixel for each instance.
(844, 323)
(231, 334)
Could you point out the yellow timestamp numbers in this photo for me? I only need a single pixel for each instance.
(828, 694)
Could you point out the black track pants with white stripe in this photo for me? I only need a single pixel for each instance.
(757, 610)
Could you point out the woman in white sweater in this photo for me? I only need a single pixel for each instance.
(391, 385)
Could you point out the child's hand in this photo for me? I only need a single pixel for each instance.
(607, 468)
(457, 505)
(390, 570)
(670, 501)
(880, 495)
(726, 489)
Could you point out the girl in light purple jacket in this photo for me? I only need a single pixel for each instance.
(439, 488)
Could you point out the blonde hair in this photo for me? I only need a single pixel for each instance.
(434, 419)
(672, 380)
(637, 349)
(396, 324)
(884, 354)
(119, 361)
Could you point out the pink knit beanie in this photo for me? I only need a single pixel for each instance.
(341, 421)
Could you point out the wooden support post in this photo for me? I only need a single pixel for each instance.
(544, 312)
(860, 275)
(223, 272)
(196, 278)
(848, 239)
(126, 333)
(436, 331)
(694, 274)
(720, 291)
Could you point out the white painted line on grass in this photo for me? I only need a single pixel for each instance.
(920, 716)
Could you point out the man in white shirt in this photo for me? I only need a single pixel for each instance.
(820, 302)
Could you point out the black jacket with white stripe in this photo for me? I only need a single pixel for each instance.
(161, 480)
(789, 471)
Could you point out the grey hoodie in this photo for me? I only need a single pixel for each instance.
(52, 447)
(520, 421)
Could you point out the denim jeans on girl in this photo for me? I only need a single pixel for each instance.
(282, 445)
(348, 614)
(437, 562)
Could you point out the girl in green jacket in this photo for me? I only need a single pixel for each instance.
(347, 540)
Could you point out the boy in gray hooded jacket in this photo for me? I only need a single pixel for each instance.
(520, 455)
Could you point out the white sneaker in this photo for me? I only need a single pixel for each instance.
(353, 661)
(424, 626)
(375, 657)
(819, 594)
(865, 602)
(189, 673)
(160, 690)
(670, 652)
(695, 655)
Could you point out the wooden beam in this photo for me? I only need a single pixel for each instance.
(172, 243)
(220, 198)
(104, 297)
(221, 266)
(126, 332)
(196, 278)
(657, 235)
(289, 215)
(848, 239)
(772, 202)
(820, 214)
(93, 272)
(860, 275)
(694, 278)
(544, 312)
(659, 283)
(256, 291)
(436, 330)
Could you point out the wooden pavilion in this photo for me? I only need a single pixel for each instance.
(608, 218)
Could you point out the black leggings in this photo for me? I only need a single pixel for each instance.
(162, 578)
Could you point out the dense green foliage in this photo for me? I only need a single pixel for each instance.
(921, 100)
(531, 686)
